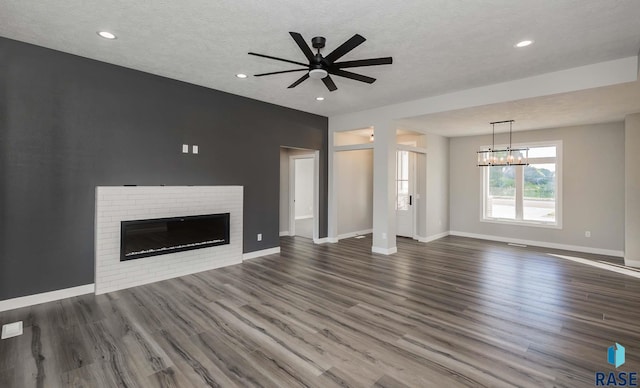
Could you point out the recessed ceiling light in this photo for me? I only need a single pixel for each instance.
(319, 98)
(240, 75)
(524, 43)
(106, 35)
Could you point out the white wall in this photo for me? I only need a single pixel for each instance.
(354, 173)
(356, 136)
(284, 183)
(593, 187)
(632, 190)
(437, 185)
(303, 188)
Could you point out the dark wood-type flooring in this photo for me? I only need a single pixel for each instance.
(454, 312)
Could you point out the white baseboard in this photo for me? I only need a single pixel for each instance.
(384, 251)
(600, 264)
(264, 252)
(45, 297)
(354, 234)
(632, 263)
(325, 240)
(285, 233)
(304, 217)
(432, 238)
(575, 248)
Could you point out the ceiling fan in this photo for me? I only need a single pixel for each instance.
(320, 67)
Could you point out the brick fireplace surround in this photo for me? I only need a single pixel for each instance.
(124, 203)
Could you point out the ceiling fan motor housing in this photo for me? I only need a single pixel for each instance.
(318, 67)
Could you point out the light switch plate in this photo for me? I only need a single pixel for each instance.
(12, 330)
(194, 149)
(185, 148)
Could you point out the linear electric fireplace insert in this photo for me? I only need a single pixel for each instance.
(144, 238)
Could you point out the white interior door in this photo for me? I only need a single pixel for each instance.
(405, 193)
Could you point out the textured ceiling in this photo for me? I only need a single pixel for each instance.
(438, 46)
(590, 106)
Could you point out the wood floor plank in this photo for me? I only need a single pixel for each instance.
(170, 378)
(456, 312)
(232, 363)
(190, 360)
(388, 382)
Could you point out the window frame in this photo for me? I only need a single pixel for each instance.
(484, 181)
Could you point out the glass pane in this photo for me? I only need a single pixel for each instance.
(402, 164)
(402, 195)
(501, 193)
(540, 192)
(542, 152)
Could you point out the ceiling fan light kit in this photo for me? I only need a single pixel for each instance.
(318, 73)
(322, 67)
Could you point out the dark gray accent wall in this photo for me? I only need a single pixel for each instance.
(69, 124)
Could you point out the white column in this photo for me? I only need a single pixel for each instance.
(632, 190)
(384, 172)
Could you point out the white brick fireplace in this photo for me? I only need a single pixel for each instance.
(124, 203)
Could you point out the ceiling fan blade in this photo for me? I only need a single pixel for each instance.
(303, 45)
(348, 74)
(279, 72)
(364, 62)
(344, 48)
(279, 59)
(328, 82)
(299, 81)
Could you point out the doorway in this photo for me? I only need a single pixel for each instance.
(299, 198)
(302, 196)
(405, 194)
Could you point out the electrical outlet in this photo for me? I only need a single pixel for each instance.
(587, 234)
(384, 236)
(259, 236)
(194, 149)
(185, 148)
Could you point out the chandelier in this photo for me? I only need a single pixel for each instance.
(503, 156)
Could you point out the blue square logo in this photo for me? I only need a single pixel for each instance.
(615, 355)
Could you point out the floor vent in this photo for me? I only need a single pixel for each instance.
(12, 330)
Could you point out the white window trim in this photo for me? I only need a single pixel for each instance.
(528, 223)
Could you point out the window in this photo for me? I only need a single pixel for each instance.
(527, 195)
(402, 180)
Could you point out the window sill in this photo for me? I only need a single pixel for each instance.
(522, 223)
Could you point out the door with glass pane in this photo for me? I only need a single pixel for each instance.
(405, 193)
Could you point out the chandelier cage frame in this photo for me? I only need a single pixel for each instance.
(508, 156)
